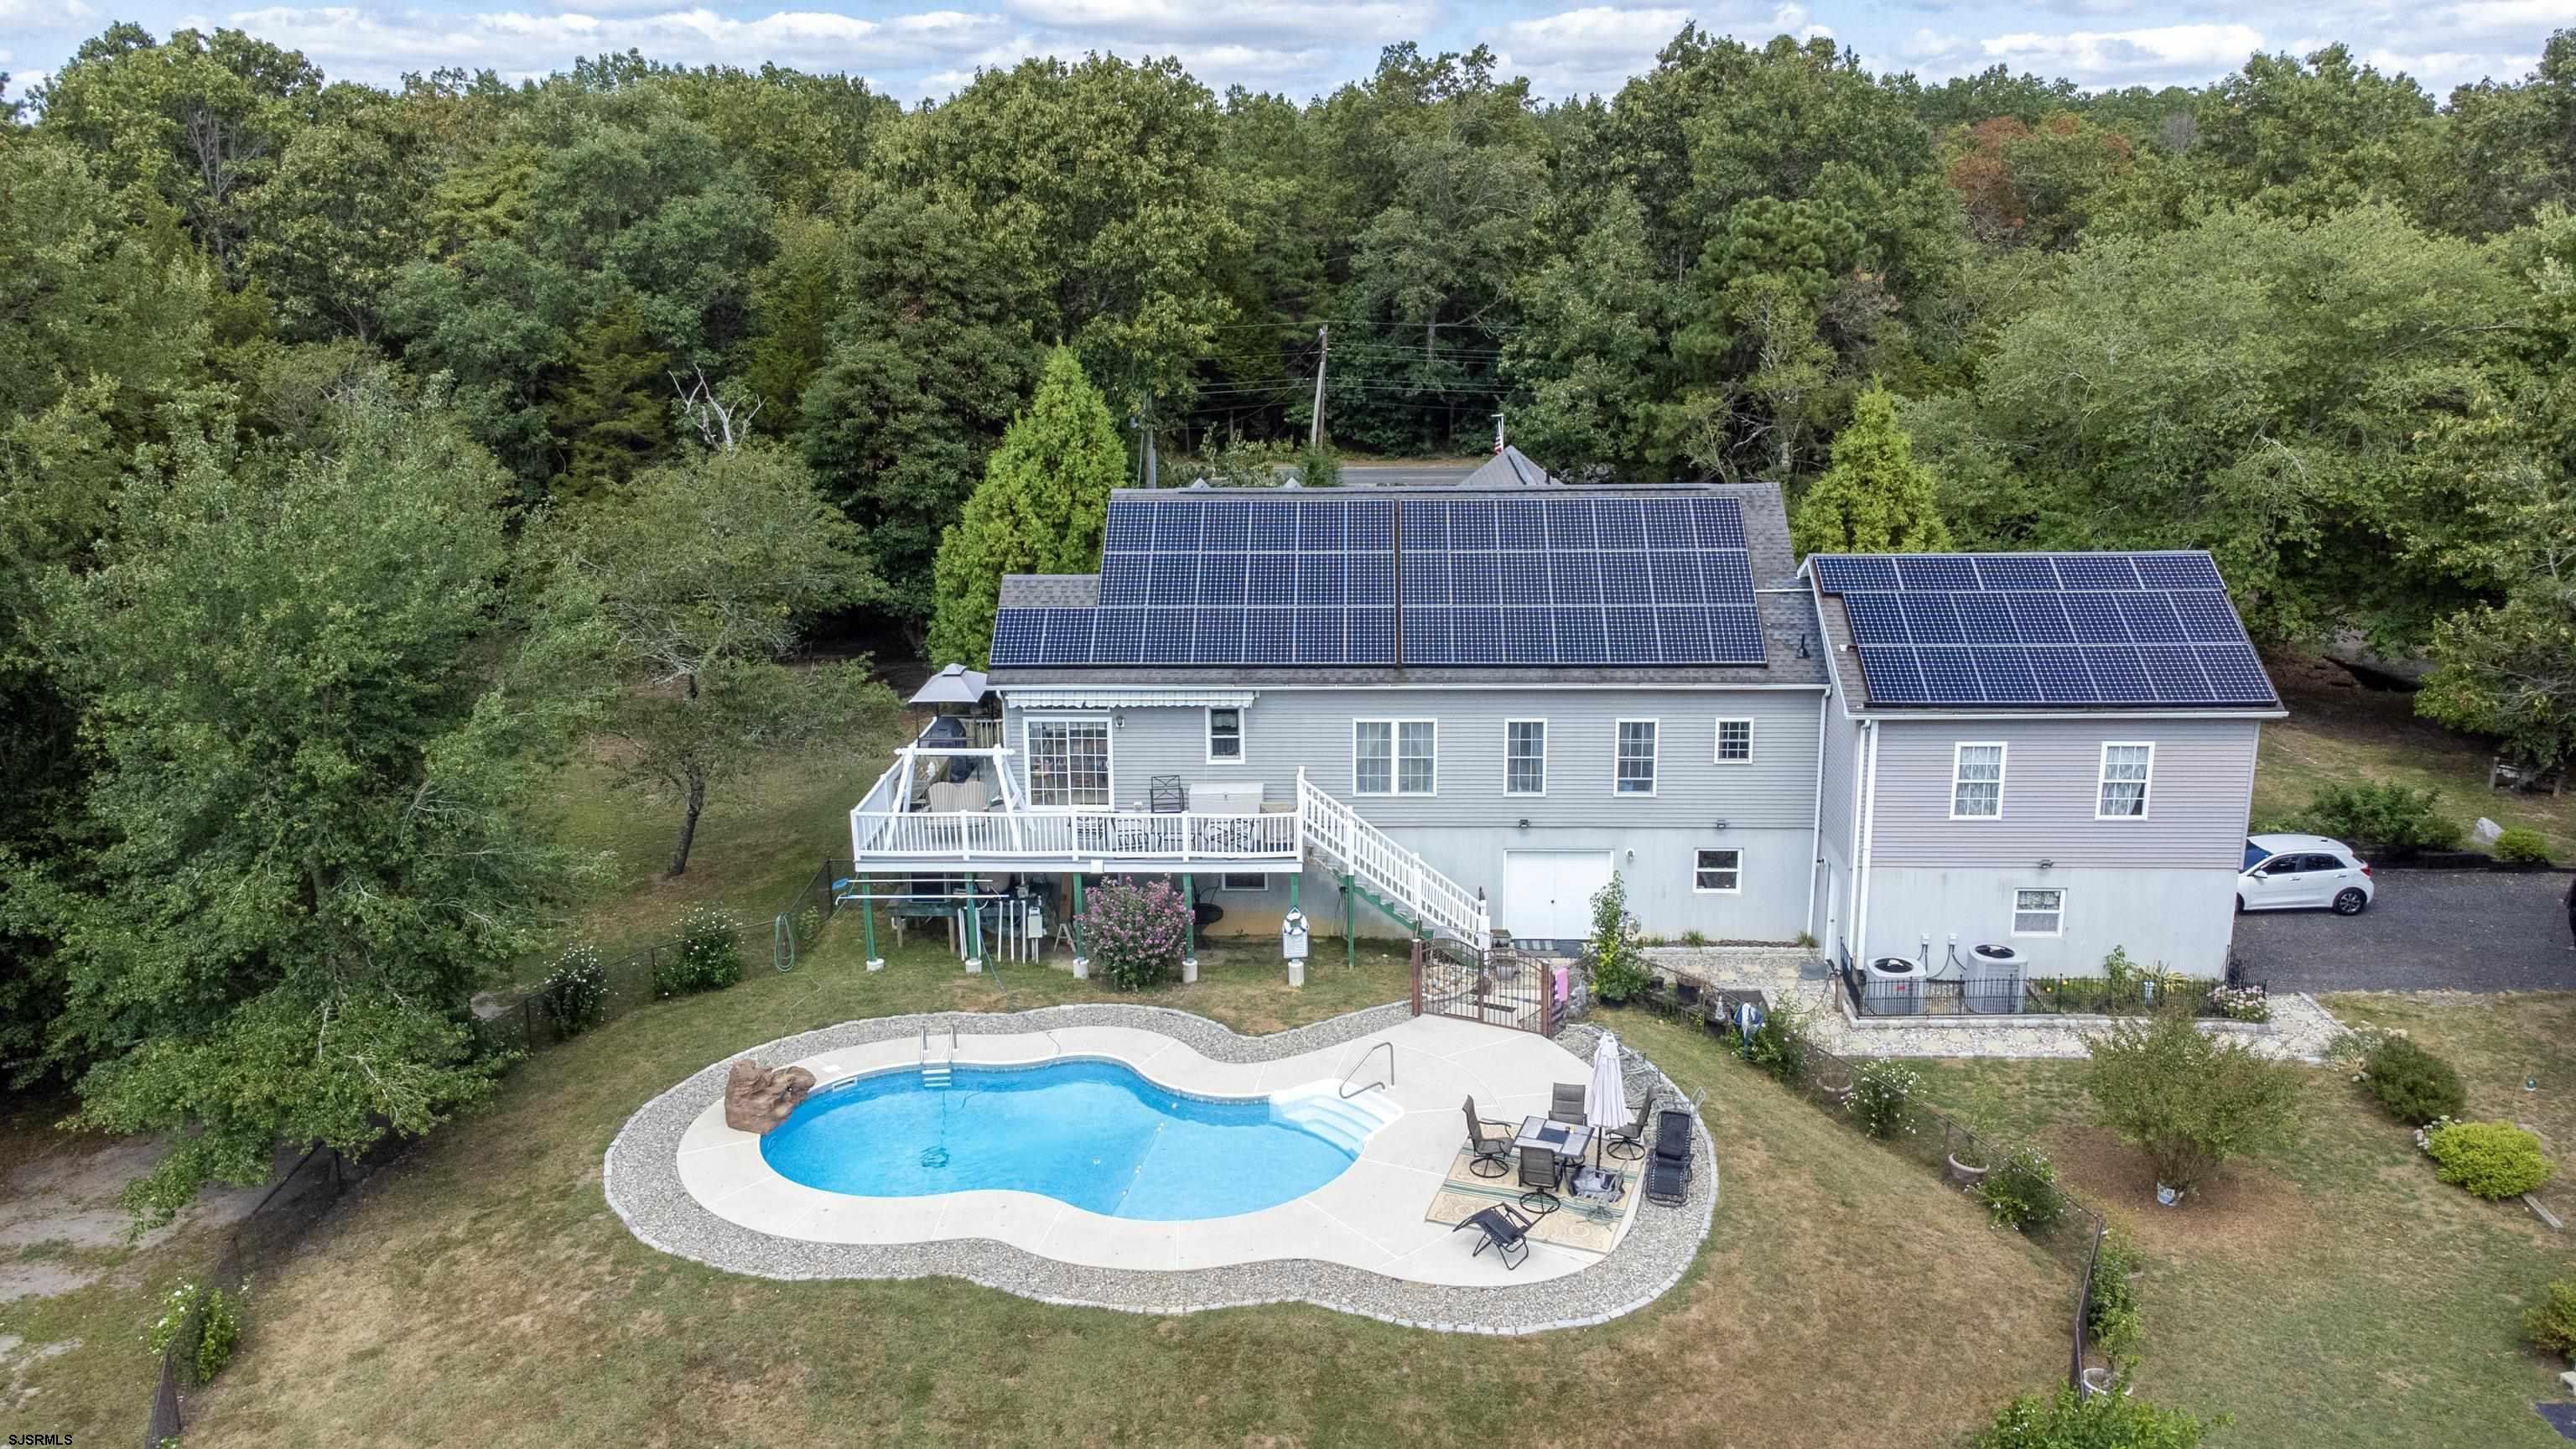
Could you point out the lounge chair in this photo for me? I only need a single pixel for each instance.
(1668, 1171)
(1492, 1149)
(1504, 1230)
(1629, 1143)
(1541, 1173)
(1568, 1106)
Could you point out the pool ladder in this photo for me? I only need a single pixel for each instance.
(937, 1074)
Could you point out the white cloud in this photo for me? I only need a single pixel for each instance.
(377, 44)
(1596, 48)
(43, 12)
(1231, 20)
(2188, 54)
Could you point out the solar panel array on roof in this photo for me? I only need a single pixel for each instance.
(1295, 580)
(2045, 629)
(1577, 580)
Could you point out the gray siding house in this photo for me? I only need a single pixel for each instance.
(1458, 711)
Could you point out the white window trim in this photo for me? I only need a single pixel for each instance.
(2003, 762)
(1543, 733)
(1395, 757)
(1654, 763)
(2102, 781)
(1242, 734)
(1700, 890)
(1223, 877)
(1717, 736)
(2017, 913)
(1029, 757)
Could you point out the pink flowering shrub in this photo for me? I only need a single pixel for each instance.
(1135, 931)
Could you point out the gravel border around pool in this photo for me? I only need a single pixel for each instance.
(641, 1180)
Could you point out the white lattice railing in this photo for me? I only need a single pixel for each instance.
(1071, 835)
(1337, 833)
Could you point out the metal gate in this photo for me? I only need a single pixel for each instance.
(1501, 987)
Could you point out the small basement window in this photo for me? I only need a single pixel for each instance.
(2039, 913)
(1718, 871)
(1240, 880)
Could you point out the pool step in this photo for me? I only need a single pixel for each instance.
(934, 1074)
(1348, 1123)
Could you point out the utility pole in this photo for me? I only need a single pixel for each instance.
(1315, 424)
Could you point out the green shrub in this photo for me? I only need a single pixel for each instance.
(2116, 1420)
(2521, 846)
(2111, 1310)
(2552, 1325)
(2189, 1100)
(707, 957)
(1136, 932)
(1779, 1044)
(2020, 1192)
(574, 995)
(1694, 938)
(1883, 1094)
(203, 1324)
(2413, 1084)
(2241, 1003)
(1319, 468)
(2385, 816)
(1618, 971)
(2489, 1159)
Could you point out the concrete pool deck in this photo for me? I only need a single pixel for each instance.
(1371, 1216)
(687, 1185)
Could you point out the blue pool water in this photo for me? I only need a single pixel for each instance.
(1094, 1134)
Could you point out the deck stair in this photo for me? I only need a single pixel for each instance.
(1389, 876)
(1346, 1123)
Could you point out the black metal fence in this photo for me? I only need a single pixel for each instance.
(257, 1243)
(1957, 1152)
(2003, 995)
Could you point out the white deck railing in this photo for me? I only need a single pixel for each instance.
(1072, 835)
(1337, 832)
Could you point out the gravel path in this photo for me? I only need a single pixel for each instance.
(2428, 930)
(641, 1179)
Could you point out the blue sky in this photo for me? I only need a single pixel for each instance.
(926, 48)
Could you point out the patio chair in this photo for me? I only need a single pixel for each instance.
(1668, 1172)
(1541, 1173)
(1492, 1149)
(1568, 1106)
(1628, 1143)
(1504, 1230)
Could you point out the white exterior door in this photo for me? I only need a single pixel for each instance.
(1547, 894)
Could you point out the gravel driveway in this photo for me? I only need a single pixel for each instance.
(2456, 930)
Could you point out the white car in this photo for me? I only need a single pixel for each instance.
(2291, 872)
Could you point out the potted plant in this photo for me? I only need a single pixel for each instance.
(1836, 1083)
(1969, 1164)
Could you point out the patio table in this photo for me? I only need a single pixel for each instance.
(1565, 1139)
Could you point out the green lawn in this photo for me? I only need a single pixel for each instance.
(2332, 1294)
(2340, 733)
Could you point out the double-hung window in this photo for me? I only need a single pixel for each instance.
(1069, 763)
(1977, 782)
(1718, 871)
(1735, 742)
(1525, 757)
(2039, 913)
(2123, 789)
(1225, 736)
(1635, 770)
(1394, 756)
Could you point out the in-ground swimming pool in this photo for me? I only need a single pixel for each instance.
(1091, 1133)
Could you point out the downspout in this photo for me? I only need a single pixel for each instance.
(1868, 843)
(1816, 835)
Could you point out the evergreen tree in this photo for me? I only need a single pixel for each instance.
(616, 408)
(1875, 498)
(1039, 510)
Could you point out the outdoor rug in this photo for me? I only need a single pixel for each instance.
(1575, 1224)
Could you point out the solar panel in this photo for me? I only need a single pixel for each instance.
(1426, 525)
(1372, 636)
(1621, 523)
(1986, 618)
(1123, 578)
(1217, 639)
(1844, 573)
(1176, 580)
(2117, 674)
(2177, 571)
(2062, 676)
(1225, 525)
(2175, 675)
(2150, 617)
(2005, 676)
(1949, 676)
(1270, 580)
(1524, 578)
(1579, 639)
(1875, 618)
(1676, 578)
(1520, 523)
(1681, 635)
(1368, 525)
(1169, 641)
(1735, 635)
(1130, 526)
(1319, 525)
(1426, 581)
(1528, 636)
(2095, 619)
(1269, 636)
(1930, 619)
(1935, 571)
(2206, 616)
(1719, 522)
(2235, 676)
(1669, 528)
(1475, 578)
(1729, 575)
(1319, 579)
(1274, 525)
(2041, 618)
(1319, 636)
(1624, 579)
(1426, 636)
(1017, 635)
(1368, 578)
(1572, 578)
(1176, 528)
(2096, 571)
(1476, 636)
(1629, 636)
(1221, 578)
(1569, 524)
(1471, 525)
(1893, 676)
(2008, 572)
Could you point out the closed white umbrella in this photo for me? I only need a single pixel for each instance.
(1605, 1098)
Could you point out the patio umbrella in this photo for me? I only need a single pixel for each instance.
(1605, 1098)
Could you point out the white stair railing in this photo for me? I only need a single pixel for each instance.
(1351, 845)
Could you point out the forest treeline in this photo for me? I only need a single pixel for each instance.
(348, 470)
